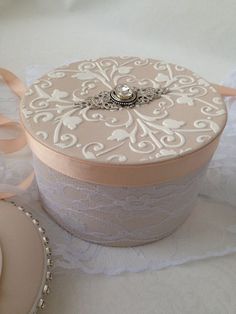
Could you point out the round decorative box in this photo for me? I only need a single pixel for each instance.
(121, 145)
(25, 261)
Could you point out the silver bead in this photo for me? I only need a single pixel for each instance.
(48, 251)
(35, 222)
(28, 214)
(46, 289)
(49, 275)
(41, 304)
(41, 230)
(49, 262)
(45, 240)
(21, 208)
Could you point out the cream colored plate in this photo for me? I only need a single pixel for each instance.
(25, 261)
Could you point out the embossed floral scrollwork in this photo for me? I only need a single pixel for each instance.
(152, 132)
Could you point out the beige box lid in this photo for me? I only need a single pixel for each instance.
(186, 119)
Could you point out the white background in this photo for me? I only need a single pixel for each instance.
(200, 35)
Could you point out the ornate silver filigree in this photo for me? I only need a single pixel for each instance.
(122, 96)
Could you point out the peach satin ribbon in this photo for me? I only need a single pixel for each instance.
(15, 144)
(225, 91)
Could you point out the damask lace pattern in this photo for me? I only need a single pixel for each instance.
(116, 215)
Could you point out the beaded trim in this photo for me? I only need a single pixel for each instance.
(45, 290)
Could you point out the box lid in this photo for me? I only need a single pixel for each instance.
(24, 261)
(185, 114)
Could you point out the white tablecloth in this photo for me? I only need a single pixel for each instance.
(199, 35)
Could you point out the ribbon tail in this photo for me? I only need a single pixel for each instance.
(225, 91)
(13, 145)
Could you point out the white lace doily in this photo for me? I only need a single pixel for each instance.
(209, 231)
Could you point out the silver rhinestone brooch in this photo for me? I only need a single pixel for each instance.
(122, 96)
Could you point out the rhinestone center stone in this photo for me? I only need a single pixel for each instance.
(123, 91)
(123, 95)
